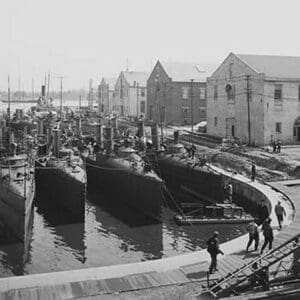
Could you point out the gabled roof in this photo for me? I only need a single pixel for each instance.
(109, 81)
(273, 65)
(136, 77)
(183, 72)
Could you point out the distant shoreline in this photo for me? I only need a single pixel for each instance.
(20, 101)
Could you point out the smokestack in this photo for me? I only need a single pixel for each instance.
(176, 136)
(78, 126)
(43, 90)
(141, 129)
(56, 142)
(154, 135)
(99, 135)
(114, 123)
(109, 140)
(40, 127)
(49, 136)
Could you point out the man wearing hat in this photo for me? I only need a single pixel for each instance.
(213, 249)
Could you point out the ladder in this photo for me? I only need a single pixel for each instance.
(227, 284)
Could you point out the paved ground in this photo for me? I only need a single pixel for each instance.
(176, 276)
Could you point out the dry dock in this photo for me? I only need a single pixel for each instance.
(169, 271)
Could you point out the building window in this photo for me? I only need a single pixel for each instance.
(215, 92)
(185, 111)
(278, 92)
(142, 92)
(202, 112)
(202, 93)
(185, 92)
(142, 107)
(216, 121)
(278, 127)
(230, 70)
(230, 91)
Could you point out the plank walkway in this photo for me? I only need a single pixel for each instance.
(100, 281)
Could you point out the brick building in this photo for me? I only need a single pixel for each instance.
(172, 95)
(130, 93)
(255, 98)
(106, 95)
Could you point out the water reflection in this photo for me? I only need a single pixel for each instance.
(136, 231)
(108, 233)
(14, 255)
(66, 225)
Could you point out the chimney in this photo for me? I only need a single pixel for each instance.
(49, 136)
(109, 140)
(56, 142)
(99, 135)
(154, 135)
(40, 127)
(141, 129)
(176, 136)
(43, 90)
(78, 126)
(114, 123)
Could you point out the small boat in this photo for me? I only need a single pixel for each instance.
(212, 214)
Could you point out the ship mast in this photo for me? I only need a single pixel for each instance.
(8, 100)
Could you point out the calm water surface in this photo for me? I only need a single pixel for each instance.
(110, 234)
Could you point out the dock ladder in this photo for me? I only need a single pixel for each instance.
(256, 269)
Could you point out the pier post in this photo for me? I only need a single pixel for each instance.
(154, 135)
(109, 143)
(56, 142)
(176, 136)
(141, 129)
(99, 135)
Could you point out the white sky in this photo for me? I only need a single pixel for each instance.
(84, 39)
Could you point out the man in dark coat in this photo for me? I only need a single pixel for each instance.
(213, 249)
(268, 234)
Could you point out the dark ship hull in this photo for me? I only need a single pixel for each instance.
(16, 203)
(57, 183)
(183, 174)
(116, 178)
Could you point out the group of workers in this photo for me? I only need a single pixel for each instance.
(253, 230)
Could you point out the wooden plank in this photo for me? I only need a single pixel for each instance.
(152, 280)
(161, 279)
(77, 289)
(102, 286)
(118, 284)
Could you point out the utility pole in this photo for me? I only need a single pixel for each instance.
(32, 88)
(61, 95)
(8, 99)
(137, 101)
(192, 115)
(48, 84)
(79, 102)
(248, 109)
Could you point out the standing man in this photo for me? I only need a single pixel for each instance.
(262, 212)
(213, 249)
(230, 192)
(280, 212)
(253, 234)
(268, 234)
(253, 171)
